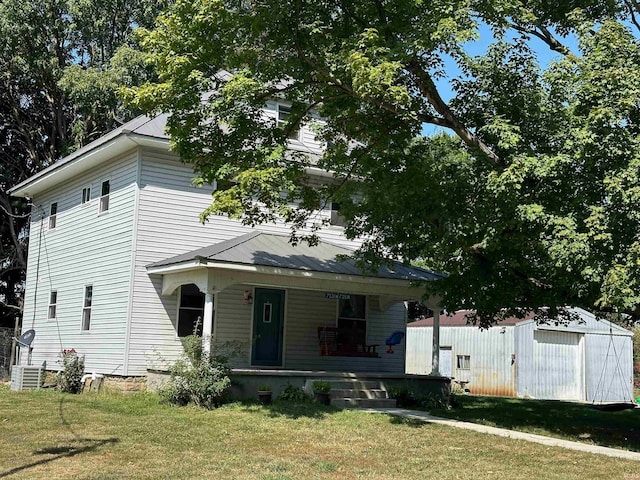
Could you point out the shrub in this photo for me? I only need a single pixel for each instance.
(320, 386)
(69, 380)
(402, 395)
(293, 394)
(200, 378)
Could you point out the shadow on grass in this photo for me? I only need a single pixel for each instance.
(572, 421)
(409, 422)
(66, 451)
(290, 409)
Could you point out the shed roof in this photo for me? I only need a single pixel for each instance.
(459, 319)
(266, 249)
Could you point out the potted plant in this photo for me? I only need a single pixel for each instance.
(321, 391)
(264, 394)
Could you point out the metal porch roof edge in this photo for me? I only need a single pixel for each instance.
(274, 250)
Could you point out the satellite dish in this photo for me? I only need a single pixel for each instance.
(26, 338)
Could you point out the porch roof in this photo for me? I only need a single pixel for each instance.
(272, 250)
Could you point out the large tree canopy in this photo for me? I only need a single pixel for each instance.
(529, 198)
(61, 63)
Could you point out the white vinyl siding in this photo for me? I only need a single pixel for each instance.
(169, 224)
(86, 249)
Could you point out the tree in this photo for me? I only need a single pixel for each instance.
(530, 198)
(61, 63)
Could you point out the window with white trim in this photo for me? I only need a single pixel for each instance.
(352, 319)
(86, 194)
(53, 215)
(336, 217)
(53, 304)
(463, 362)
(104, 196)
(283, 113)
(190, 311)
(86, 307)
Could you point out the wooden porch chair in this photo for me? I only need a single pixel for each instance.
(328, 339)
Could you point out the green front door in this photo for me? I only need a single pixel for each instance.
(268, 327)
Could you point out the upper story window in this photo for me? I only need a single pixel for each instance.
(352, 319)
(86, 194)
(104, 196)
(53, 304)
(86, 307)
(53, 215)
(190, 311)
(336, 217)
(284, 116)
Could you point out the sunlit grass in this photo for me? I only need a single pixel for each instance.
(45, 434)
(567, 420)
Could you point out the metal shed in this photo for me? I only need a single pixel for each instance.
(588, 360)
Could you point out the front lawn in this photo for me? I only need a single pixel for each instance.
(568, 420)
(45, 434)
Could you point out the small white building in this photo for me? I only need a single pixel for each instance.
(588, 360)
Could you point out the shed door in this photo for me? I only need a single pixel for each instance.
(446, 361)
(558, 361)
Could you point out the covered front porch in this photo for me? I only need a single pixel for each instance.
(295, 308)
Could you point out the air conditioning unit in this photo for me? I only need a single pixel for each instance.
(27, 377)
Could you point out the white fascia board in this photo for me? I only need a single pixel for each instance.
(147, 141)
(278, 271)
(74, 165)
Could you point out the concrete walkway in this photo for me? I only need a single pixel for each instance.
(502, 432)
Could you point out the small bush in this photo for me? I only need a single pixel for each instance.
(200, 378)
(69, 380)
(320, 386)
(403, 396)
(293, 394)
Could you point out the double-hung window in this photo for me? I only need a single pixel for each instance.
(86, 307)
(53, 304)
(352, 319)
(104, 196)
(86, 194)
(283, 119)
(53, 215)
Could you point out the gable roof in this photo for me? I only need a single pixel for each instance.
(138, 131)
(271, 250)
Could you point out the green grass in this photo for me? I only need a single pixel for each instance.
(46, 434)
(571, 421)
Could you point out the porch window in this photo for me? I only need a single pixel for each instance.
(190, 311)
(352, 320)
(86, 307)
(463, 362)
(53, 304)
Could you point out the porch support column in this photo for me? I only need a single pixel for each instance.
(435, 357)
(207, 322)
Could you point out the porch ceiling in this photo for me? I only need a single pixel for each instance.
(266, 259)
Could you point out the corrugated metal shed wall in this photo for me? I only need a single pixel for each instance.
(491, 370)
(609, 368)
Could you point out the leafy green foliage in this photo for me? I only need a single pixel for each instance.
(320, 386)
(533, 202)
(292, 393)
(200, 378)
(61, 64)
(69, 378)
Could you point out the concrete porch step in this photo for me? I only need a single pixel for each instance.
(353, 384)
(358, 393)
(363, 402)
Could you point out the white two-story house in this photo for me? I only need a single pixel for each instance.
(120, 269)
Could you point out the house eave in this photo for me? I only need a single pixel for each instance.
(225, 274)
